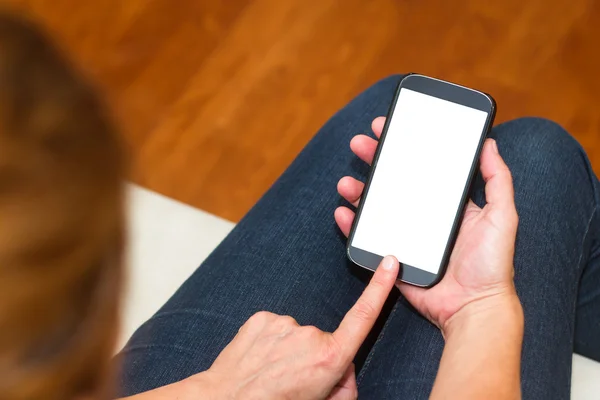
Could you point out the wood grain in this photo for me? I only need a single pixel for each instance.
(217, 97)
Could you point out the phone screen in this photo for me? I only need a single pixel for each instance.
(419, 179)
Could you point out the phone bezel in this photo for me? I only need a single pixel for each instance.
(456, 94)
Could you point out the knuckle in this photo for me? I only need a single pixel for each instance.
(284, 324)
(377, 283)
(363, 311)
(260, 318)
(286, 320)
(512, 217)
(508, 173)
(311, 332)
(329, 356)
(273, 324)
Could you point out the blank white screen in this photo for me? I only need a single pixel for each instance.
(419, 179)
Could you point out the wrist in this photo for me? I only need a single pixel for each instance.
(197, 387)
(482, 353)
(502, 310)
(203, 385)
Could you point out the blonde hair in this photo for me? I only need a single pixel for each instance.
(61, 224)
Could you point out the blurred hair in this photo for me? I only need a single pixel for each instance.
(61, 224)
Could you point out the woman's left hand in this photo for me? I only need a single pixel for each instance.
(479, 278)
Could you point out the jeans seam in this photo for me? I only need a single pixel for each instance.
(375, 346)
(137, 347)
(593, 180)
(587, 230)
(191, 311)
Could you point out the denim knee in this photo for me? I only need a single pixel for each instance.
(357, 115)
(541, 152)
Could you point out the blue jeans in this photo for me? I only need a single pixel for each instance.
(288, 257)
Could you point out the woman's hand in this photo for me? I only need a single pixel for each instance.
(480, 272)
(272, 357)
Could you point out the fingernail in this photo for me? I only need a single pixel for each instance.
(387, 263)
(495, 146)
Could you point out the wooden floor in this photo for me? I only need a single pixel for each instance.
(217, 97)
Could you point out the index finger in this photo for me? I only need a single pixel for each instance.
(358, 322)
(377, 126)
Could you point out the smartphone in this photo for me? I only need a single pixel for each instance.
(420, 178)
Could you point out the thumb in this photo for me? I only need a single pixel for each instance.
(499, 191)
(346, 388)
(415, 295)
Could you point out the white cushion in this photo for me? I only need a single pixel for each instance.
(167, 242)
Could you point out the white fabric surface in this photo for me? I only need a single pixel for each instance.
(167, 242)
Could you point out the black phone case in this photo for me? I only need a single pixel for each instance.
(416, 278)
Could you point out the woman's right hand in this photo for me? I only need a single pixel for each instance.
(272, 357)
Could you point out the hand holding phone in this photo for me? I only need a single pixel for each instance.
(420, 177)
(481, 264)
